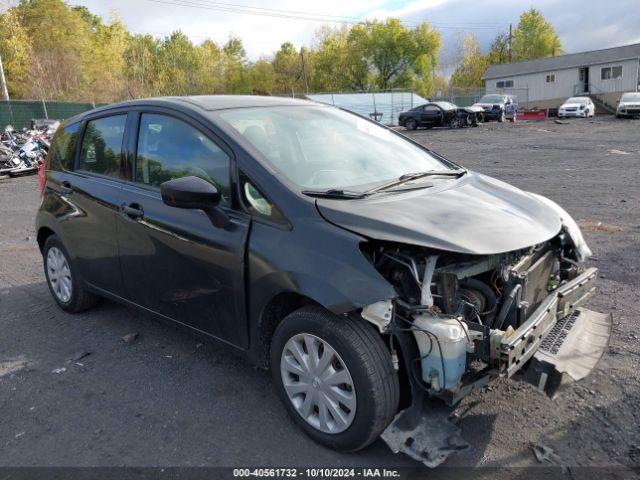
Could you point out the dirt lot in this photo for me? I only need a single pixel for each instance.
(167, 400)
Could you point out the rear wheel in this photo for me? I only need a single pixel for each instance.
(335, 378)
(63, 278)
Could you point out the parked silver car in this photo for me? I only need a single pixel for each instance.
(629, 105)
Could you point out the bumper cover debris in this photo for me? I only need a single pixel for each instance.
(425, 433)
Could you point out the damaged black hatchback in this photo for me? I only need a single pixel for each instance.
(379, 281)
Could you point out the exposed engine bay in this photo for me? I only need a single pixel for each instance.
(462, 320)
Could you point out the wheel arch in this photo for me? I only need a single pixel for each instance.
(43, 233)
(274, 311)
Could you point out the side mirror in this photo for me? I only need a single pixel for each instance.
(195, 193)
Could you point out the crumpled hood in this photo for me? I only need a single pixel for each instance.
(475, 214)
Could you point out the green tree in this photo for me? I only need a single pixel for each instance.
(534, 37)
(106, 65)
(339, 62)
(499, 50)
(15, 49)
(140, 72)
(262, 77)
(235, 67)
(472, 65)
(287, 68)
(177, 66)
(61, 43)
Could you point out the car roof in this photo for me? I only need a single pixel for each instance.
(207, 103)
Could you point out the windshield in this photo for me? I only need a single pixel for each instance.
(630, 97)
(492, 99)
(327, 148)
(581, 100)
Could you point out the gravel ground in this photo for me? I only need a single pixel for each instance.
(168, 400)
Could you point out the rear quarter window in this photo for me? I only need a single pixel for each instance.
(63, 148)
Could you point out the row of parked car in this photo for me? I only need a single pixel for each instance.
(503, 107)
(446, 114)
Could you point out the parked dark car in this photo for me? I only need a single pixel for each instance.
(440, 114)
(499, 107)
(334, 251)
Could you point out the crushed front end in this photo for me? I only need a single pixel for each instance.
(462, 320)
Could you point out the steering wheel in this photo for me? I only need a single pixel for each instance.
(314, 177)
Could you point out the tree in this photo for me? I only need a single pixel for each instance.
(262, 77)
(235, 66)
(288, 69)
(339, 62)
(106, 65)
(60, 45)
(534, 37)
(499, 50)
(396, 54)
(15, 49)
(473, 64)
(177, 66)
(140, 74)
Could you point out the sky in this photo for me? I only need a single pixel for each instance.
(581, 24)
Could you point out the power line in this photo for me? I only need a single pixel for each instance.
(340, 17)
(297, 15)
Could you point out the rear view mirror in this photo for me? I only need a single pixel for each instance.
(195, 193)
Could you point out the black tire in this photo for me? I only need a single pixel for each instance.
(410, 124)
(80, 298)
(365, 356)
(513, 119)
(454, 123)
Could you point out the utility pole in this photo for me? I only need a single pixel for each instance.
(304, 72)
(3, 83)
(510, 40)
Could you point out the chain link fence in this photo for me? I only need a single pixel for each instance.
(19, 113)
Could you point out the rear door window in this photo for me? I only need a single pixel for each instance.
(63, 148)
(171, 148)
(102, 146)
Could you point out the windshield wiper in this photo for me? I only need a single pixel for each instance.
(413, 176)
(333, 193)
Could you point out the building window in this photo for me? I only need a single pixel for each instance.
(504, 84)
(499, 84)
(607, 73)
(551, 78)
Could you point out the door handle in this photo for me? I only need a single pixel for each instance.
(133, 210)
(65, 188)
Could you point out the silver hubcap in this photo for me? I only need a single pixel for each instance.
(318, 383)
(59, 274)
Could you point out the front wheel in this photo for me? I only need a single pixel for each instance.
(410, 124)
(335, 377)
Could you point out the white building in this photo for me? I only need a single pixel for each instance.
(547, 82)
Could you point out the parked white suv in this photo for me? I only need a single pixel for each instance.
(577, 107)
(629, 105)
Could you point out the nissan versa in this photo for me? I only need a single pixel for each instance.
(378, 281)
